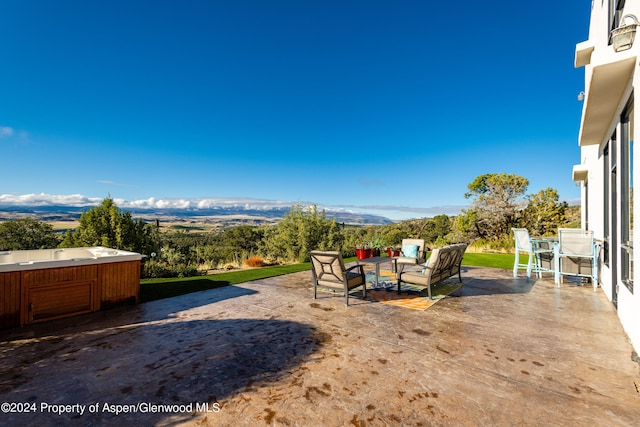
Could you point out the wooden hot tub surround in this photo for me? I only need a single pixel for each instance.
(37, 286)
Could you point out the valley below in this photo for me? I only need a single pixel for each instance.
(64, 218)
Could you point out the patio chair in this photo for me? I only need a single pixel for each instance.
(329, 271)
(412, 253)
(534, 253)
(577, 255)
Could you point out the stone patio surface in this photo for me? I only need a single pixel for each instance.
(498, 352)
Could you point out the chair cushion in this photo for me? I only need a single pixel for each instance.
(424, 269)
(405, 260)
(354, 280)
(416, 277)
(410, 251)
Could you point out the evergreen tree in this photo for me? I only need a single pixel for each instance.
(301, 232)
(106, 225)
(27, 233)
(544, 213)
(496, 201)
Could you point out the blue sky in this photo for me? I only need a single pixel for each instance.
(385, 107)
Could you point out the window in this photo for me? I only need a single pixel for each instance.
(606, 159)
(613, 237)
(626, 195)
(586, 204)
(615, 15)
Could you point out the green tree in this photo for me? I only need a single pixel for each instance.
(464, 226)
(437, 228)
(394, 236)
(301, 232)
(239, 243)
(27, 233)
(496, 200)
(544, 213)
(106, 225)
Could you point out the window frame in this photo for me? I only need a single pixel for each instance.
(626, 196)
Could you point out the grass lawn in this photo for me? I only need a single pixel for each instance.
(504, 261)
(153, 289)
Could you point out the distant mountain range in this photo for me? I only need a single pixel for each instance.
(225, 215)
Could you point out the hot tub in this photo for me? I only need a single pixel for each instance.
(40, 285)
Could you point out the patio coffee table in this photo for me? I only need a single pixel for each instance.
(376, 260)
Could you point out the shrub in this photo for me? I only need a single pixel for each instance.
(185, 271)
(152, 269)
(504, 244)
(254, 261)
(26, 233)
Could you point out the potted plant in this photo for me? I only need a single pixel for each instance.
(363, 251)
(376, 244)
(393, 251)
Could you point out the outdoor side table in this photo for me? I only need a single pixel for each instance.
(376, 261)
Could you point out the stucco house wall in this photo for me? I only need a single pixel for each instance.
(610, 77)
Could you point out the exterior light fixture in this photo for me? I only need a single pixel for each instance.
(622, 37)
(581, 96)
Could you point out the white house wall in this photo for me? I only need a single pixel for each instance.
(598, 53)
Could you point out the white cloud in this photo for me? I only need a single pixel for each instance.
(43, 199)
(6, 131)
(9, 133)
(78, 200)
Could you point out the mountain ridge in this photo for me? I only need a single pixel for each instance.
(225, 215)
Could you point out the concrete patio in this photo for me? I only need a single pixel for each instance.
(499, 351)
